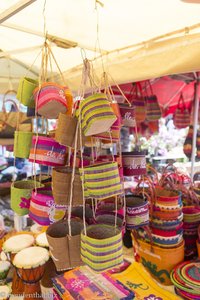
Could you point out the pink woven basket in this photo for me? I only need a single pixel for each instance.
(43, 209)
(46, 151)
(50, 99)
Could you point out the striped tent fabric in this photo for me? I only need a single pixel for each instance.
(97, 115)
(101, 247)
(102, 181)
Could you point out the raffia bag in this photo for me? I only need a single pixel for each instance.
(101, 248)
(65, 249)
(158, 261)
(61, 185)
(66, 130)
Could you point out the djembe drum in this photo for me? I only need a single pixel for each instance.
(4, 292)
(11, 247)
(30, 265)
(50, 269)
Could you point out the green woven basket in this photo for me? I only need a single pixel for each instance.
(21, 190)
(22, 144)
(25, 91)
(101, 248)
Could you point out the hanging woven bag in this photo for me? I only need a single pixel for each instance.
(182, 114)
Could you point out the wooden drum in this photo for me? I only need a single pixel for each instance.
(50, 268)
(30, 264)
(11, 247)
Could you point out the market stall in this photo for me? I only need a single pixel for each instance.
(93, 191)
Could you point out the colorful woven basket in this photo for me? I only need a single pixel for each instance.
(186, 278)
(61, 185)
(110, 218)
(101, 248)
(43, 209)
(46, 151)
(128, 115)
(102, 181)
(134, 163)
(65, 249)
(50, 100)
(21, 190)
(137, 211)
(97, 115)
(158, 261)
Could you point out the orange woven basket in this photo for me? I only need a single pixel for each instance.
(158, 261)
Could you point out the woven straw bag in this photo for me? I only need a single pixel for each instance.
(97, 115)
(65, 249)
(22, 144)
(101, 248)
(21, 190)
(25, 91)
(43, 209)
(61, 185)
(182, 114)
(158, 261)
(66, 130)
(50, 100)
(102, 181)
(46, 151)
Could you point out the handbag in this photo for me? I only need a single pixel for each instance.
(138, 100)
(153, 108)
(181, 115)
(187, 147)
(9, 121)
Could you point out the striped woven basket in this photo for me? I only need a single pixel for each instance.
(101, 248)
(46, 151)
(102, 181)
(96, 114)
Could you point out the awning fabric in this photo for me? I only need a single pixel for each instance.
(139, 39)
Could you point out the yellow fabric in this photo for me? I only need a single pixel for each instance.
(136, 278)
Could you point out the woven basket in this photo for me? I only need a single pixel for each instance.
(61, 185)
(127, 114)
(108, 218)
(198, 248)
(66, 130)
(158, 261)
(96, 114)
(101, 248)
(46, 151)
(134, 163)
(102, 181)
(22, 144)
(21, 190)
(25, 91)
(43, 209)
(110, 204)
(51, 100)
(137, 211)
(65, 249)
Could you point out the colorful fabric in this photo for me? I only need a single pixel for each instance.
(83, 284)
(137, 279)
(181, 115)
(102, 181)
(101, 248)
(97, 115)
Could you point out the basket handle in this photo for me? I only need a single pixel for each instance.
(9, 100)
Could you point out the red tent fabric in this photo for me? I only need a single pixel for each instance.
(167, 90)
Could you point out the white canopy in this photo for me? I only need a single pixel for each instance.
(139, 39)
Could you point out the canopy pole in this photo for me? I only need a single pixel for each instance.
(195, 124)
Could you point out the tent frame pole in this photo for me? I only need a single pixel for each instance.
(195, 125)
